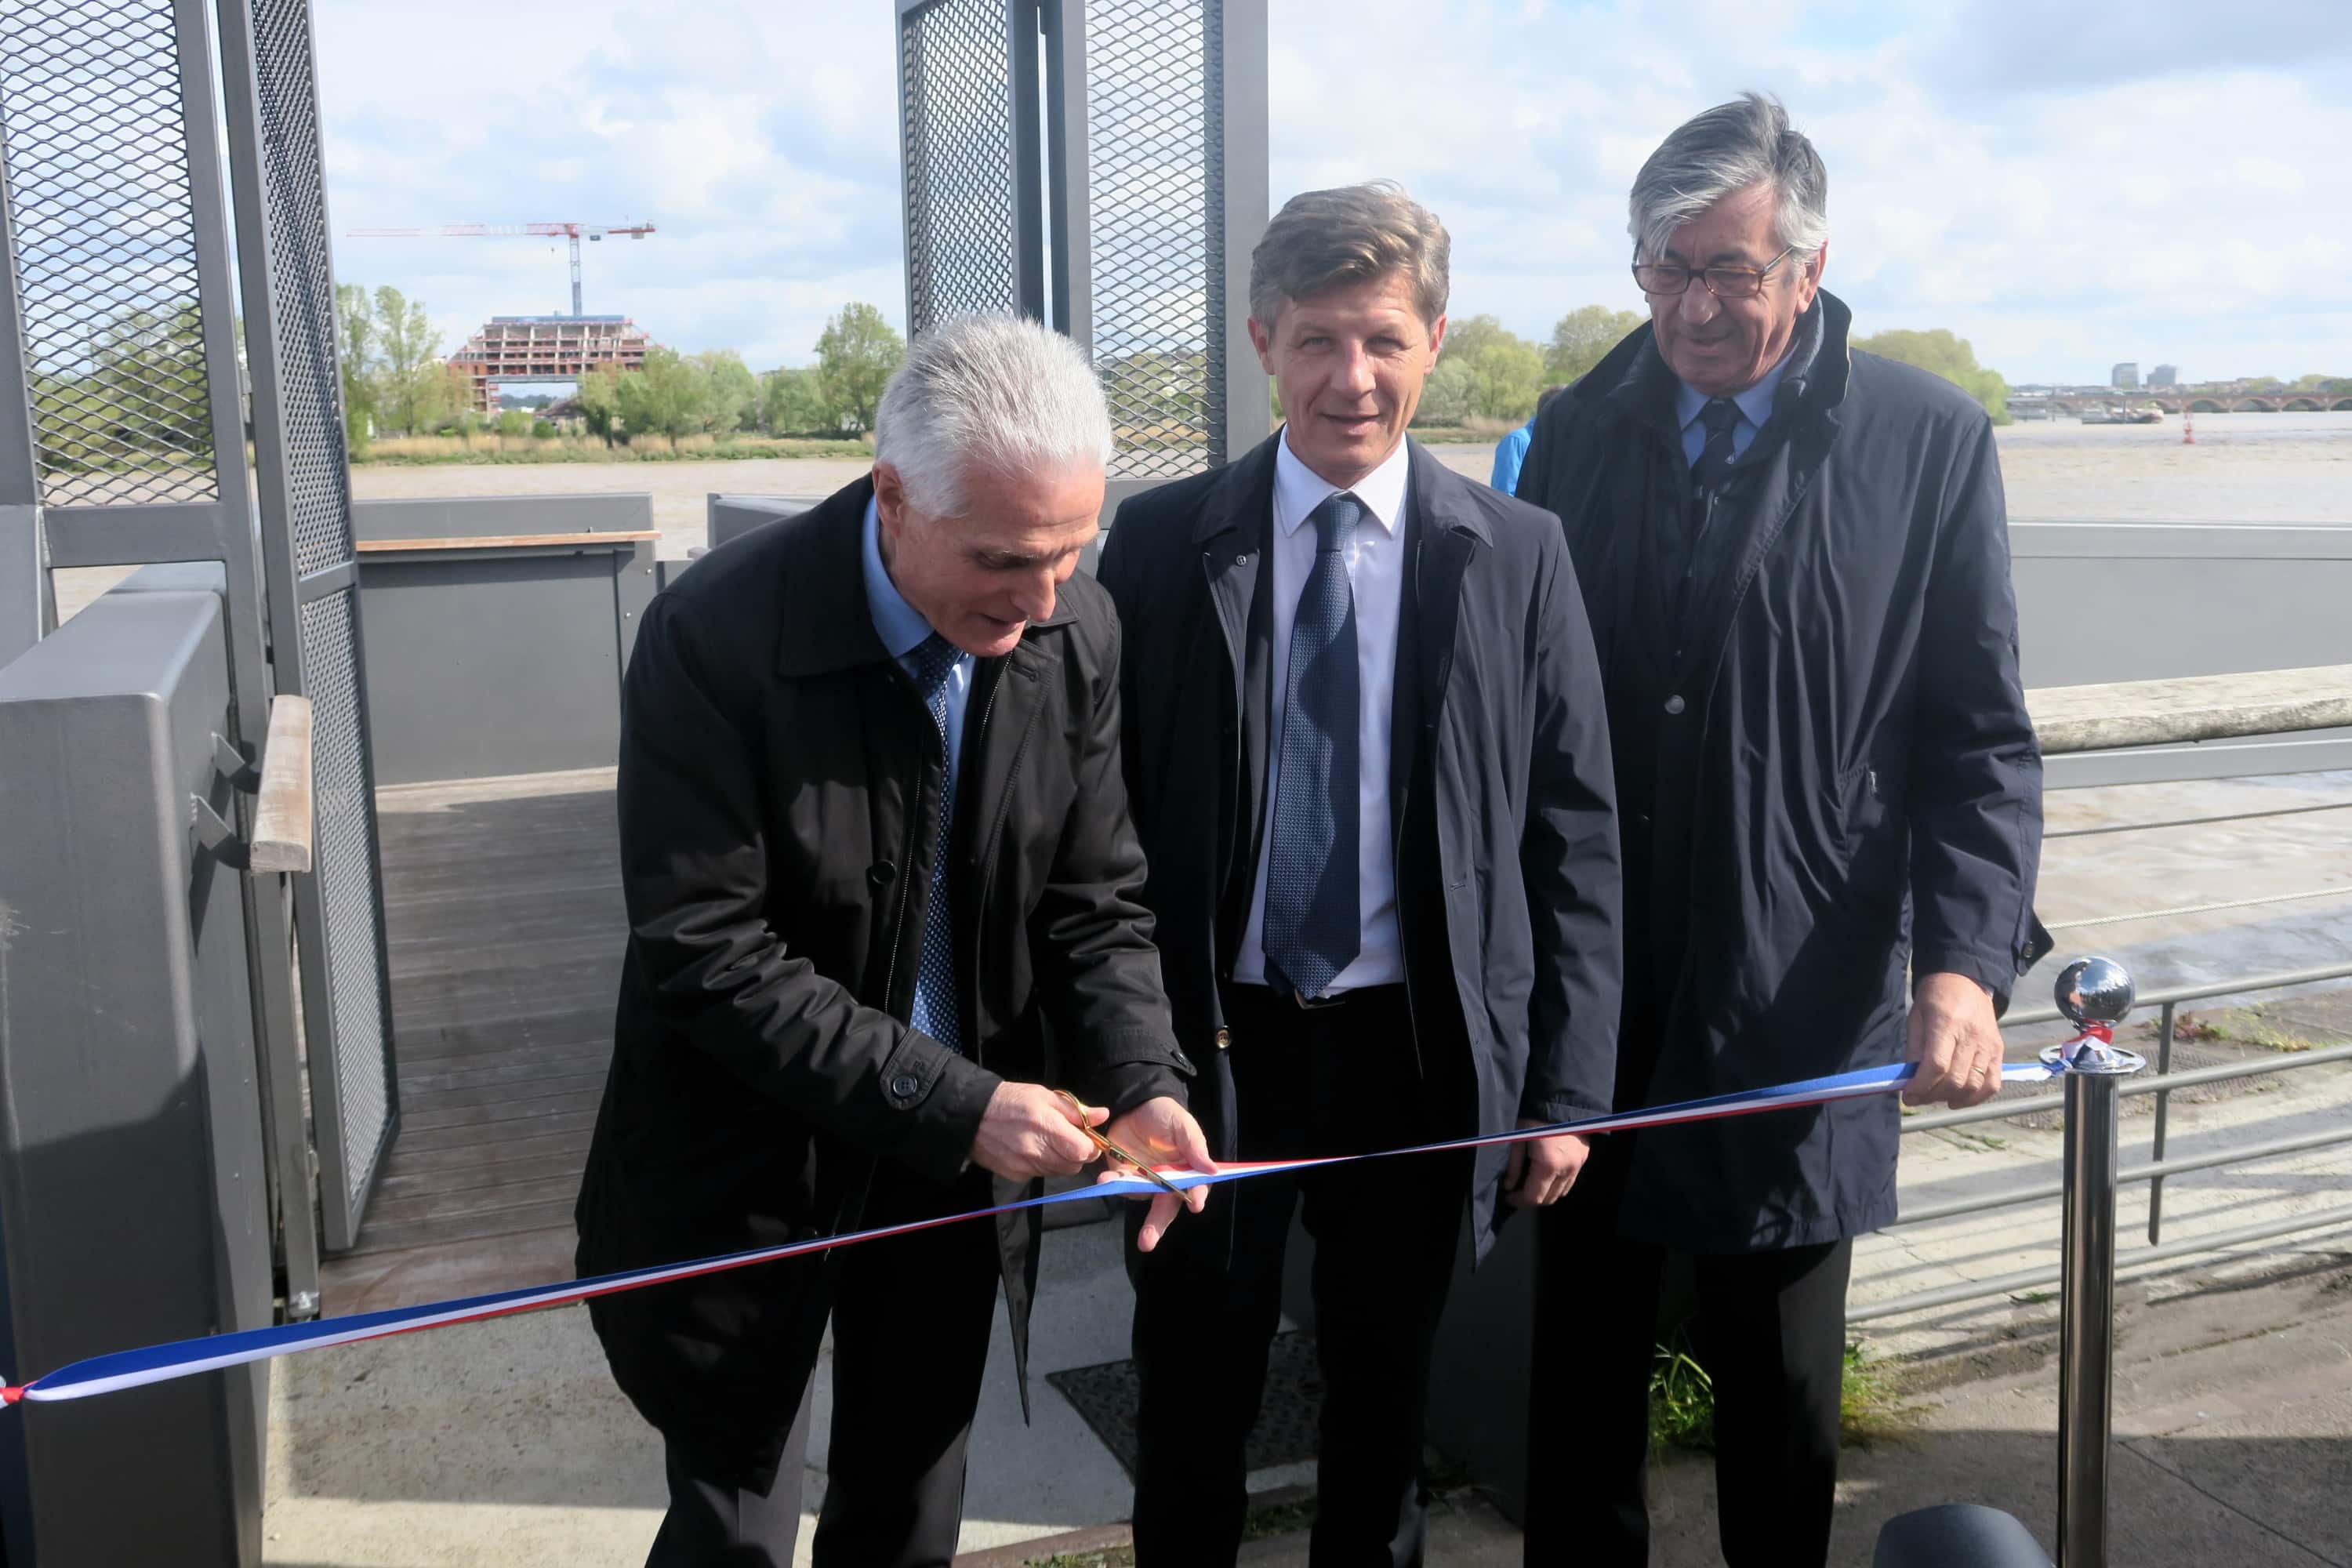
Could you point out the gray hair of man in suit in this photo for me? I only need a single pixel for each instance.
(989, 394)
(1731, 148)
(989, 449)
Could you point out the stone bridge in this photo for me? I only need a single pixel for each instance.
(2203, 400)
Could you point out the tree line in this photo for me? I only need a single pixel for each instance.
(396, 382)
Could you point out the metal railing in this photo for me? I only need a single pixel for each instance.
(2161, 1084)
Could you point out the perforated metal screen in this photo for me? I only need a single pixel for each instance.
(1155, 167)
(956, 94)
(307, 531)
(106, 250)
(303, 303)
(346, 857)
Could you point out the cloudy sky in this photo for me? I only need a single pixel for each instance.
(2065, 185)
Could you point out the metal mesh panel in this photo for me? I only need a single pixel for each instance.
(97, 160)
(346, 857)
(1154, 117)
(302, 299)
(956, 91)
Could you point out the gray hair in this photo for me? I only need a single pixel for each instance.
(1353, 234)
(1727, 149)
(993, 394)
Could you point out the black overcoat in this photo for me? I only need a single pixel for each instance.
(777, 770)
(1845, 780)
(1500, 792)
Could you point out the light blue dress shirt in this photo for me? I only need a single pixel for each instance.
(1754, 407)
(902, 629)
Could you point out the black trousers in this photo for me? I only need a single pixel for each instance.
(910, 1327)
(1337, 1080)
(1771, 1334)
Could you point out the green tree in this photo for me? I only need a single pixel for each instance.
(1940, 353)
(732, 392)
(1583, 337)
(670, 395)
(1449, 396)
(854, 356)
(414, 390)
(514, 422)
(1506, 371)
(791, 402)
(599, 396)
(355, 321)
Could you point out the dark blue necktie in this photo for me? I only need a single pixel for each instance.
(937, 1013)
(1713, 470)
(1314, 922)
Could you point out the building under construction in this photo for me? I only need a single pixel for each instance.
(546, 348)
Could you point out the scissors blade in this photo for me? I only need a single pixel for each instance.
(1115, 1153)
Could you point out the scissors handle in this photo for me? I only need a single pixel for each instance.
(1114, 1150)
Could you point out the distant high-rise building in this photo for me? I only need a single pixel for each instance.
(2164, 375)
(2125, 375)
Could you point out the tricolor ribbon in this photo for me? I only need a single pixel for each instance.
(161, 1363)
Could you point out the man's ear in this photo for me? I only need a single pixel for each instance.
(1261, 339)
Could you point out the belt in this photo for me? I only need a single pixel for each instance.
(1268, 997)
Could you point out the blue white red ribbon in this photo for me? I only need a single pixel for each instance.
(161, 1363)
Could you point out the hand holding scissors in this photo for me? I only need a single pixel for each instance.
(1161, 1127)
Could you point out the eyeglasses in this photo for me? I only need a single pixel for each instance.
(1663, 278)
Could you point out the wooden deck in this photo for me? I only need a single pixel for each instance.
(504, 920)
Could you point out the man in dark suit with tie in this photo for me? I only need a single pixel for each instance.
(1369, 761)
(882, 893)
(1797, 563)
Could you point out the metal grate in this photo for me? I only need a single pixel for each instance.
(97, 168)
(347, 858)
(302, 299)
(1155, 115)
(956, 92)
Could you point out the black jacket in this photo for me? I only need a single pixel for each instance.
(1504, 836)
(1837, 777)
(777, 773)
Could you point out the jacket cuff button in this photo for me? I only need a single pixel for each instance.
(882, 873)
(905, 1085)
(1224, 1038)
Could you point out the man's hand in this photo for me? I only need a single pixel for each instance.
(1028, 1131)
(1543, 1168)
(1164, 1132)
(1955, 1040)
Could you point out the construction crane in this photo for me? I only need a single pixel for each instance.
(575, 232)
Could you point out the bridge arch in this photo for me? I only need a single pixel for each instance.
(2205, 406)
(2341, 405)
(2253, 405)
(2300, 405)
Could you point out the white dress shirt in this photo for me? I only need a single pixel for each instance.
(1375, 562)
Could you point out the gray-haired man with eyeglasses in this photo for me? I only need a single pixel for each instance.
(1795, 559)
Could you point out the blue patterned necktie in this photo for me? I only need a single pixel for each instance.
(1314, 921)
(937, 1012)
(1713, 470)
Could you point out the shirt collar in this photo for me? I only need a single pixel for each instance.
(1755, 404)
(900, 625)
(1299, 490)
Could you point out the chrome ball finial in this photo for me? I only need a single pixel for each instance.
(2094, 991)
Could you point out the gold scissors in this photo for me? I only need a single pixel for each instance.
(1114, 1150)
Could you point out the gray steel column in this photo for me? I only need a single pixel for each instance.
(2095, 993)
(1249, 395)
(27, 608)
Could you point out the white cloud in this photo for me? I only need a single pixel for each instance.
(2062, 205)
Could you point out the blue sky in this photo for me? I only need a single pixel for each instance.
(2064, 185)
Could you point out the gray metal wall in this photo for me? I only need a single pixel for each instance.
(487, 658)
(133, 1203)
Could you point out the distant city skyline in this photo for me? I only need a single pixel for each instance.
(2036, 179)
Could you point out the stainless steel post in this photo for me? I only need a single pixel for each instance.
(2095, 993)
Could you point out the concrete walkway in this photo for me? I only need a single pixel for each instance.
(506, 1444)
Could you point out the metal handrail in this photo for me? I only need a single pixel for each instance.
(2161, 1084)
